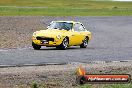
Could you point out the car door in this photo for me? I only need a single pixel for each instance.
(83, 31)
(77, 36)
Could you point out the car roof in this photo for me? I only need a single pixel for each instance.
(67, 21)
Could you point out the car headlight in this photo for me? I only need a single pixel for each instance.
(58, 36)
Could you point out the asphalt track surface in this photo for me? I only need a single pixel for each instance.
(111, 41)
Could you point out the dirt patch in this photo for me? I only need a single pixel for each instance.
(56, 76)
(17, 31)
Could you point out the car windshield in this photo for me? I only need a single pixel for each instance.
(60, 25)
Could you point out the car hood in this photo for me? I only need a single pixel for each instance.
(50, 33)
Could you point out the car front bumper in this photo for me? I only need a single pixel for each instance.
(56, 42)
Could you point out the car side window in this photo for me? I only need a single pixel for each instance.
(76, 27)
(79, 27)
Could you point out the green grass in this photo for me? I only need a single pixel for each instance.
(107, 86)
(64, 8)
(118, 86)
(86, 86)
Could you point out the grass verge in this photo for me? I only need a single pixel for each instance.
(107, 86)
(64, 8)
(7, 11)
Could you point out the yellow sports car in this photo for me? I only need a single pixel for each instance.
(62, 34)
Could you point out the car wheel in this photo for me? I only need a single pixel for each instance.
(64, 44)
(84, 43)
(35, 46)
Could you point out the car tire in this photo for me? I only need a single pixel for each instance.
(84, 43)
(64, 44)
(35, 46)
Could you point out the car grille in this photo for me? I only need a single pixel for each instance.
(45, 38)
